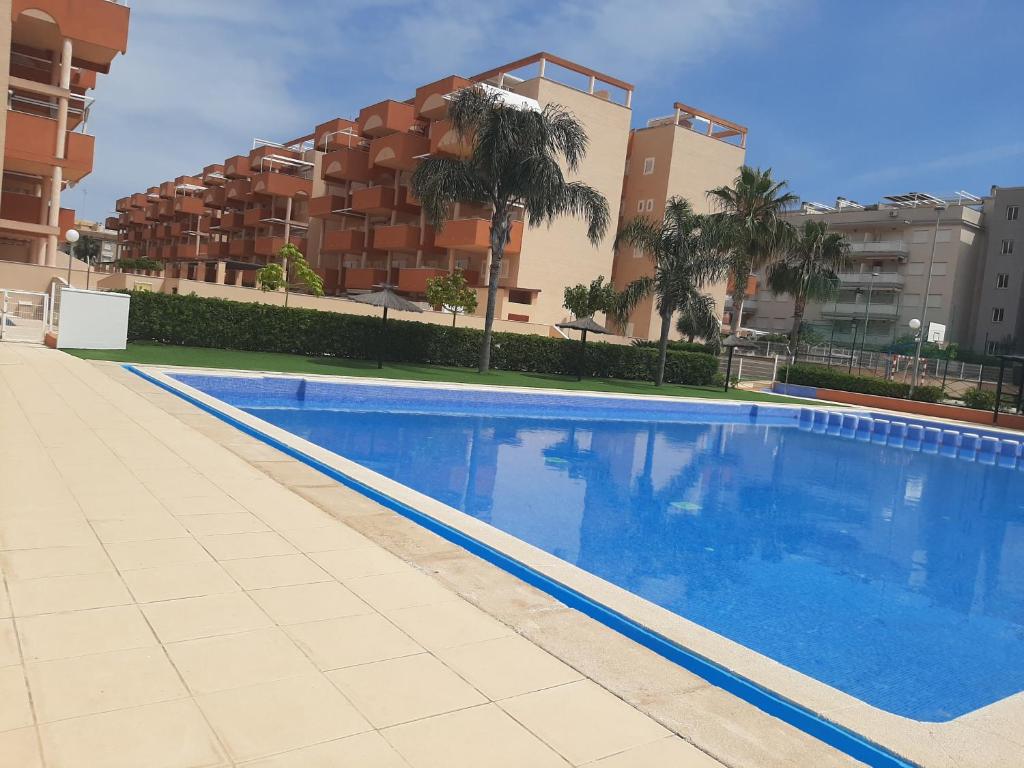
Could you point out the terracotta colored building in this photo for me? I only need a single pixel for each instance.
(342, 195)
(56, 49)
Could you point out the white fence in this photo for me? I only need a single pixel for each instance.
(24, 316)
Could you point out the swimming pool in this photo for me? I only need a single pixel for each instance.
(893, 574)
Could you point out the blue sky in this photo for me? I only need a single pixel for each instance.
(859, 99)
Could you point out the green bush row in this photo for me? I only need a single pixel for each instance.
(982, 399)
(201, 322)
(143, 264)
(832, 378)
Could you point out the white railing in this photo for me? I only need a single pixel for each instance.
(880, 247)
(881, 280)
(852, 309)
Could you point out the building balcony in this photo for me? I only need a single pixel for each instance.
(268, 150)
(218, 250)
(881, 248)
(270, 245)
(31, 140)
(445, 140)
(386, 117)
(854, 310)
(188, 252)
(99, 28)
(253, 216)
(170, 230)
(137, 216)
(239, 247)
(237, 167)
(238, 190)
(346, 164)
(215, 197)
(232, 221)
(399, 237)
(343, 241)
(213, 175)
(192, 206)
(138, 200)
(123, 204)
(414, 279)
(378, 201)
(168, 190)
(166, 209)
(399, 151)
(475, 235)
(430, 101)
(153, 212)
(364, 279)
(112, 222)
(882, 280)
(281, 185)
(324, 206)
(336, 134)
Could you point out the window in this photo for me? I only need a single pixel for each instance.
(520, 297)
(639, 206)
(648, 166)
(992, 348)
(943, 235)
(1012, 212)
(1007, 247)
(997, 314)
(650, 205)
(921, 236)
(934, 299)
(1002, 280)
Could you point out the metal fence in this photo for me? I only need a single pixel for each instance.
(24, 316)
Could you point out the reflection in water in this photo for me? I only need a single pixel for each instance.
(897, 577)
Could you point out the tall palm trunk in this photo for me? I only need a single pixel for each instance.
(499, 233)
(739, 297)
(666, 326)
(799, 305)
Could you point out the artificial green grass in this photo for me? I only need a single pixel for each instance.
(200, 357)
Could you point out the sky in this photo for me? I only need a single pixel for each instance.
(858, 98)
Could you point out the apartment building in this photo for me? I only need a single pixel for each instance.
(684, 154)
(341, 195)
(999, 293)
(55, 48)
(884, 286)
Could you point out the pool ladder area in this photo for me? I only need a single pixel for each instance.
(957, 443)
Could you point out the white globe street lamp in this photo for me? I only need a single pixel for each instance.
(914, 324)
(71, 236)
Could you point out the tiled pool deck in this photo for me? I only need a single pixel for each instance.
(176, 594)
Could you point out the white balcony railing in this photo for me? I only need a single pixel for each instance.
(857, 309)
(881, 280)
(880, 248)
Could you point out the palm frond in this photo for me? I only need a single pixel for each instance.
(440, 182)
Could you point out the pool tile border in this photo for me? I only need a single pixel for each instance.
(868, 734)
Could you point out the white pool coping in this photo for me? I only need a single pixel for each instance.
(989, 736)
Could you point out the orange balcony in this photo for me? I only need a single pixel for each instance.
(326, 206)
(218, 250)
(364, 279)
(237, 167)
(346, 165)
(153, 212)
(189, 180)
(99, 28)
(281, 185)
(214, 197)
(138, 200)
(397, 237)
(238, 190)
(430, 99)
(270, 245)
(266, 151)
(232, 221)
(189, 205)
(187, 252)
(336, 134)
(239, 247)
(387, 117)
(381, 200)
(19, 207)
(343, 241)
(399, 151)
(445, 140)
(168, 189)
(166, 209)
(475, 235)
(212, 174)
(414, 280)
(31, 140)
(122, 204)
(112, 222)
(137, 216)
(253, 216)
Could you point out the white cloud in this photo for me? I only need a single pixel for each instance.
(965, 159)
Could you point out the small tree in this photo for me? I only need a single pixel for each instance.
(452, 293)
(584, 300)
(87, 249)
(274, 276)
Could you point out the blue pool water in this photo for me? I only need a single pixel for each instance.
(893, 575)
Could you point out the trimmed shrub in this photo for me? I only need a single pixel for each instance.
(679, 346)
(831, 378)
(221, 324)
(982, 399)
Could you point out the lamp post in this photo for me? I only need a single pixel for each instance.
(924, 309)
(915, 326)
(853, 346)
(731, 343)
(867, 310)
(72, 237)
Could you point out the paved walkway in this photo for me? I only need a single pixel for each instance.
(165, 604)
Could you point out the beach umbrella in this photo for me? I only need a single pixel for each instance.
(387, 299)
(584, 325)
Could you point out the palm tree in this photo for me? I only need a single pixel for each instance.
(752, 208)
(687, 251)
(808, 271)
(515, 161)
(699, 318)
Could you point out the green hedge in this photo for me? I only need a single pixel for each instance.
(982, 399)
(200, 322)
(832, 378)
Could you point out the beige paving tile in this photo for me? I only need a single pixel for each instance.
(172, 582)
(28, 533)
(265, 719)
(20, 749)
(293, 473)
(102, 682)
(672, 751)
(446, 625)
(323, 539)
(135, 555)
(235, 546)
(9, 653)
(309, 602)
(54, 561)
(143, 529)
(340, 500)
(67, 593)
(66, 635)
(409, 688)
(221, 523)
(122, 505)
(364, 561)
(177, 483)
(15, 710)
(232, 661)
(195, 617)
(582, 721)
(508, 666)
(220, 503)
(278, 571)
(167, 735)
(365, 750)
(471, 738)
(400, 590)
(5, 602)
(352, 640)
